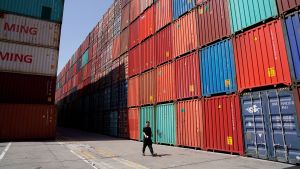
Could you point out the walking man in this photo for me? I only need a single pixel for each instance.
(147, 138)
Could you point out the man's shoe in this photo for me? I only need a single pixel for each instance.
(154, 154)
(143, 154)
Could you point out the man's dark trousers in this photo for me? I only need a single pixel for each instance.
(147, 142)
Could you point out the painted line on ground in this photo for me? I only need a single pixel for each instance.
(5, 151)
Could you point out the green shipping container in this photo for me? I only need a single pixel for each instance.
(85, 58)
(165, 124)
(147, 114)
(244, 13)
(50, 10)
(113, 127)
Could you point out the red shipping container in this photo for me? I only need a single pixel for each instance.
(163, 45)
(213, 22)
(165, 86)
(147, 54)
(146, 24)
(27, 121)
(125, 17)
(223, 124)
(134, 123)
(124, 40)
(286, 5)
(124, 66)
(261, 57)
(189, 122)
(116, 47)
(147, 87)
(187, 76)
(184, 34)
(163, 13)
(124, 3)
(134, 33)
(123, 124)
(26, 89)
(134, 61)
(134, 9)
(115, 71)
(199, 2)
(133, 92)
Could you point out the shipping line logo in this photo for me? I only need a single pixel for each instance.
(253, 109)
(15, 57)
(20, 29)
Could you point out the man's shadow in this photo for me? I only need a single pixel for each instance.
(160, 155)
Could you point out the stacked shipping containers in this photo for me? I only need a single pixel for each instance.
(218, 75)
(29, 45)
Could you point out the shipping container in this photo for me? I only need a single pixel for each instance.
(271, 129)
(291, 25)
(134, 92)
(147, 88)
(125, 17)
(124, 40)
(261, 57)
(180, 7)
(165, 86)
(116, 47)
(148, 54)
(163, 45)
(286, 5)
(123, 124)
(223, 124)
(146, 27)
(113, 123)
(117, 26)
(134, 33)
(115, 71)
(27, 121)
(184, 34)
(189, 124)
(244, 14)
(134, 61)
(51, 10)
(297, 103)
(114, 98)
(163, 13)
(187, 76)
(134, 9)
(124, 67)
(147, 114)
(28, 59)
(145, 4)
(213, 21)
(134, 123)
(125, 2)
(123, 94)
(218, 69)
(165, 124)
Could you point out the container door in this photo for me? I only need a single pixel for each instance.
(254, 126)
(147, 114)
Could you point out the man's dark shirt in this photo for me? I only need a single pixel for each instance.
(148, 132)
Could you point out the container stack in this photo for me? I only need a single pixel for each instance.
(29, 45)
(218, 75)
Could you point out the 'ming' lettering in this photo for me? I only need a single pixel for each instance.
(15, 57)
(20, 29)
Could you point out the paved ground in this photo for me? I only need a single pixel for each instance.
(76, 149)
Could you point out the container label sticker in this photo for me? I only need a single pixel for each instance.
(229, 140)
(182, 110)
(255, 38)
(151, 98)
(167, 53)
(271, 72)
(178, 25)
(191, 88)
(49, 99)
(220, 106)
(201, 11)
(189, 1)
(227, 82)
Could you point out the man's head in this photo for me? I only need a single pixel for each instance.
(147, 123)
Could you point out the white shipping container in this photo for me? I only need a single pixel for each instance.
(27, 30)
(28, 59)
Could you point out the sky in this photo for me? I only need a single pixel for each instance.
(80, 16)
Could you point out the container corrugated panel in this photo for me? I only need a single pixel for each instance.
(146, 27)
(133, 92)
(214, 21)
(134, 61)
(124, 3)
(117, 26)
(163, 45)
(123, 131)
(27, 121)
(106, 98)
(265, 48)
(286, 5)
(184, 34)
(28, 59)
(217, 66)
(223, 124)
(116, 47)
(124, 66)
(26, 89)
(165, 124)
(271, 129)
(147, 114)
(180, 7)
(125, 17)
(163, 13)
(247, 13)
(124, 40)
(134, 9)
(115, 71)
(148, 87)
(187, 76)
(123, 94)
(118, 7)
(26, 30)
(134, 123)
(114, 100)
(165, 86)
(189, 124)
(147, 54)
(51, 10)
(144, 4)
(292, 25)
(134, 33)
(297, 103)
(113, 123)
(85, 58)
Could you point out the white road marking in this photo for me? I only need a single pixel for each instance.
(5, 151)
(83, 159)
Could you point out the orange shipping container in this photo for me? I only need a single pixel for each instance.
(134, 30)
(133, 92)
(27, 121)
(124, 40)
(261, 57)
(125, 17)
(146, 24)
(116, 47)
(184, 34)
(134, 61)
(163, 45)
(134, 123)
(147, 87)
(165, 86)
(189, 122)
(147, 54)
(134, 9)
(163, 13)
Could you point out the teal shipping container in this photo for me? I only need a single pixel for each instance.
(85, 58)
(244, 13)
(50, 10)
(165, 124)
(113, 123)
(147, 114)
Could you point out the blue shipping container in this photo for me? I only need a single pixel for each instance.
(123, 88)
(271, 128)
(292, 26)
(181, 6)
(218, 69)
(85, 58)
(51, 10)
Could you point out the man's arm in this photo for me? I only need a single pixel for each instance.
(145, 135)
